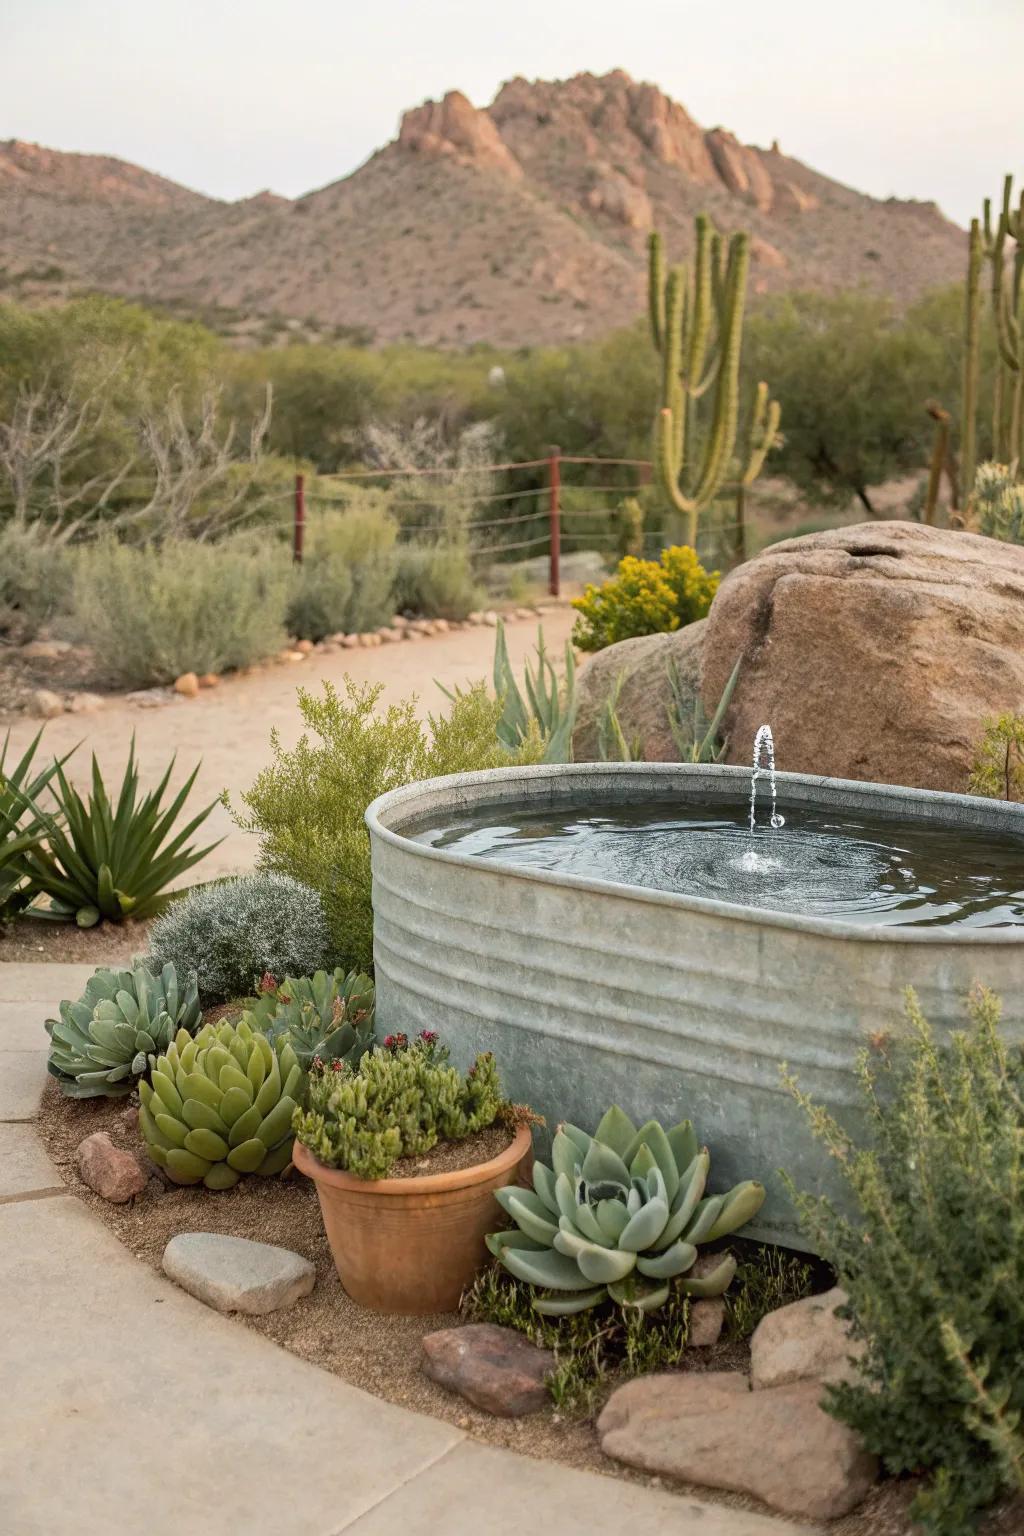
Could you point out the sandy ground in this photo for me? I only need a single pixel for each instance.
(228, 728)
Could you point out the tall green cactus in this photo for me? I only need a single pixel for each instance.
(697, 327)
(988, 242)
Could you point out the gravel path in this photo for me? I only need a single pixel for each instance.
(229, 727)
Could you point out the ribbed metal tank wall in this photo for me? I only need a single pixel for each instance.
(591, 993)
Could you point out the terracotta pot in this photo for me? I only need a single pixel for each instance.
(412, 1245)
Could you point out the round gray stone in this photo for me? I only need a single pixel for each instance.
(233, 1274)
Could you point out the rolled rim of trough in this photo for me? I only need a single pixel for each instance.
(461, 792)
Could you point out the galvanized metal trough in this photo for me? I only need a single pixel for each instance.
(592, 993)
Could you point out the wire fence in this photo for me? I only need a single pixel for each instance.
(531, 509)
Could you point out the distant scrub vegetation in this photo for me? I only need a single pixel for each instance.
(853, 376)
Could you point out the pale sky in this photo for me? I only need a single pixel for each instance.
(912, 98)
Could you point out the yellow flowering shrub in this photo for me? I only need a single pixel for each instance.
(644, 597)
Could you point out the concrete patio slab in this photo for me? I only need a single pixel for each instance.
(22, 1076)
(476, 1489)
(25, 1168)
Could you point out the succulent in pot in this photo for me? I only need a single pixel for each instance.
(619, 1215)
(406, 1240)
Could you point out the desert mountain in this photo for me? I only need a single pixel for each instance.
(521, 222)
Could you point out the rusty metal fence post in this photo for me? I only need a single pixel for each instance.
(554, 521)
(299, 533)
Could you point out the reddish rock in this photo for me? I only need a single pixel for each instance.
(187, 685)
(455, 127)
(494, 1368)
(874, 652)
(108, 1170)
(209, 680)
(709, 1428)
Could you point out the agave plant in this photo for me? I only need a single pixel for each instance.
(548, 708)
(329, 1016)
(109, 861)
(620, 1214)
(22, 826)
(102, 1043)
(221, 1105)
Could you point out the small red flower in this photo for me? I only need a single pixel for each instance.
(268, 982)
(428, 1036)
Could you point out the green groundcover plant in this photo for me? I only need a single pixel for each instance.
(307, 807)
(932, 1258)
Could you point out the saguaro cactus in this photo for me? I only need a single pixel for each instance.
(989, 241)
(697, 327)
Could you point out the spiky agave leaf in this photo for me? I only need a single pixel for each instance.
(103, 861)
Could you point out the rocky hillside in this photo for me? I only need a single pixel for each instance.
(521, 222)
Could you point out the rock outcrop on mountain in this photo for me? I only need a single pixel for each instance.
(524, 221)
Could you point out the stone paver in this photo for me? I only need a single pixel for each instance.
(476, 1490)
(24, 1167)
(189, 1421)
(22, 1075)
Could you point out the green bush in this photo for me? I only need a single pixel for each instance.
(154, 612)
(998, 766)
(436, 581)
(230, 933)
(996, 506)
(644, 597)
(398, 1102)
(307, 806)
(931, 1255)
(33, 582)
(345, 582)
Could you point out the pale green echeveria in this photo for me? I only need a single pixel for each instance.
(619, 1214)
(101, 1044)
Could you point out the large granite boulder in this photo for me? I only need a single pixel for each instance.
(874, 652)
(645, 697)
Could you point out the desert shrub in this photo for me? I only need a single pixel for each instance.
(307, 806)
(153, 612)
(644, 597)
(996, 505)
(230, 933)
(931, 1255)
(436, 581)
(998, 766)
(33, 581)
(346, 578)
(321, 600)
